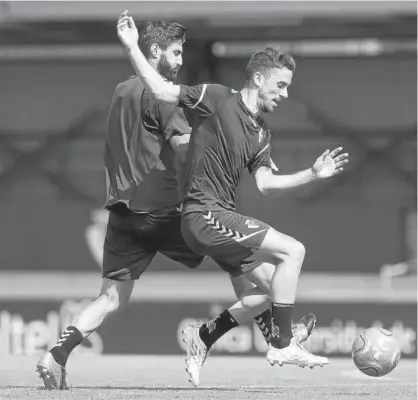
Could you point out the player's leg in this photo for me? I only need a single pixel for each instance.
(232, 240)
(126, 256)
(252, 303)
(242, 244)
(301, 329)
(175, 247)
(199, 339)
(242, 286)
(256, 303)
(114, 296)
(287, 254)
(255, 299)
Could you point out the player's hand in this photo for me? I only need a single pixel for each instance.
(127, 32)
(329, 163)
(273, 166)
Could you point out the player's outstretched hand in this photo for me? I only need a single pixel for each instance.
(127, 32)
(330, 163)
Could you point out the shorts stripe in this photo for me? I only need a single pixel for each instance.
(222, 229)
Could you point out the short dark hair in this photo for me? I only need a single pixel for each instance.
(268, 58)
(161, 32)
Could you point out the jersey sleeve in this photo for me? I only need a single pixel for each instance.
(262, 157)
(172, 120)
(197, 99)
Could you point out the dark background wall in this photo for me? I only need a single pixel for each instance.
(354, 223)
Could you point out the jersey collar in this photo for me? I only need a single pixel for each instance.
(255, 121)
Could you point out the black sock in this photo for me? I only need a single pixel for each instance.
(211, 331)
(68, 341)
(282, 319)
(263, 322)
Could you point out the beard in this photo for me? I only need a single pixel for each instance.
(166, 70)
(263, 102)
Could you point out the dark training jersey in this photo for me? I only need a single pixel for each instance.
(226, 138)
(139, 162)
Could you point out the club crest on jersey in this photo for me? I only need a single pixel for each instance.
(250, 223)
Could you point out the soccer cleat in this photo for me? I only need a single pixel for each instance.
(52, 373)
(294, 354)
(303, 329)
(197, 353)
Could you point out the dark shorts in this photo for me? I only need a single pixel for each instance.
(133, 239)
(229, 238)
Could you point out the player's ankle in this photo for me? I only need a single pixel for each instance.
(68, 341)
(281, 342)
(59, 355)
(212, 330)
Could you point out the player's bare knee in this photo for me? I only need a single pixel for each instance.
(292, 250)
(298, 250)
(297, 254)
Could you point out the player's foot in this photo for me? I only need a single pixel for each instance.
(196, 353)
(52, 373)
(294, 354)
(302, 330)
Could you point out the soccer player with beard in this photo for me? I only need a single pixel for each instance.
(229, 136)
(145, 143)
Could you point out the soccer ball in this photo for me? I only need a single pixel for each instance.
(375, 352)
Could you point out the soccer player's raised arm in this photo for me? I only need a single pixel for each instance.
(326, 166)
(153, 81)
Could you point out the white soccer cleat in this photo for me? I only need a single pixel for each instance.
(295, 354)
(52, 373)
(302, 330)
(196, 353)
